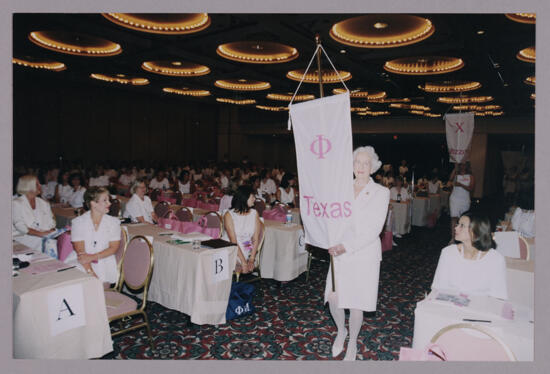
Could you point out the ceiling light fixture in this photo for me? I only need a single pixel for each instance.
(186, 91)
(184, 69)
(75, 43)
(449, 86)
(40, 64)
(159, 23)
(257, 52)
(328, 76)
(237, 85)
(424, 65)
(119, 78)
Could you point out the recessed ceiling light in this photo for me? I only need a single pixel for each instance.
(176, 63)
(342, 51)
(481, 32)
(121, 75)
(505, 84)
(242, 80)
(380, 25)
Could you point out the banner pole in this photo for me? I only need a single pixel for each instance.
(321, 94)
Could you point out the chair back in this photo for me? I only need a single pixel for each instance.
(467, 342)
(119, 254)
(508, 243)
(155, 194)
(259, 205)
(137, 264)
(178, 196)
(524, 250)
(162, 209)
(225, 202)
(212, 224)
(261, 238)
(184, 214)
(114, 209)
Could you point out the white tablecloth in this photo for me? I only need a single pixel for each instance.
(183, 278)
(402, 219)
(32, 337)
(431, 316)
(520, 278)
(444, 199)
(420, 211)
(283, 256)
(435, 204)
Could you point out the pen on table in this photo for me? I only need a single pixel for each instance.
(66, 268)
(475, 320)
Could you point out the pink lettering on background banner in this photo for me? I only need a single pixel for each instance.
(321, 150)
(327, 209)
(453, 151)
(459, 126)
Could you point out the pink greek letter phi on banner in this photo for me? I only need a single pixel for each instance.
(322, 135)
(459, 128)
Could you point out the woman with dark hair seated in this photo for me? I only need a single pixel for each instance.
(523, 220)
(285, 193)
(77, 197)
(242, 226)
(473, 266)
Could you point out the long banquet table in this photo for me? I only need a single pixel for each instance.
(189, 280)
(402, 219)
(43, 326)
(283, 255)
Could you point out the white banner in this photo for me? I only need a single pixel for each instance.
(322, 135)
(459, 128)
(66, 309)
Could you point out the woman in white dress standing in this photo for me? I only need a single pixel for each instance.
(242, 226)
(357, 259)
(459, 200)
(96, 236)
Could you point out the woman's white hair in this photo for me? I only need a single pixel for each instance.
(26, 183)
(375, 163)
(135, 185)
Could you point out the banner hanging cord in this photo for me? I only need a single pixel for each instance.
(331, 64)
(304, 76)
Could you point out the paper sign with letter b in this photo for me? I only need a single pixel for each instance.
(66, 309)
(220, 266)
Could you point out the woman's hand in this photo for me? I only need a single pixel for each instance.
(251, 261)
(337, 250)
(86, 258)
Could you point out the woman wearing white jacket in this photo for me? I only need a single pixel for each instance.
(32, 216)
(357, 259)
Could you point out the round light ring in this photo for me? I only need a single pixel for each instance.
(354, 94)
(382, 30)
(186, 92)
(373, 113)
(530, 18)
(391, 100)
(75, 43)
(39, 64)
(428, 65)
(479, 108)
(527, 54)
(236, 102)
(117, 79)
(449, 86)
(161, 23)
(288, 97)
(257, 52)
(465, 99)
(175, 68)
(530, 80)
(242, 84)
(328, 76)
(272, 108)
(411, 106)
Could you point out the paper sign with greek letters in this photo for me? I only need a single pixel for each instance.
(220, 266)
(66, 309)
(323, 140)
(459, 128)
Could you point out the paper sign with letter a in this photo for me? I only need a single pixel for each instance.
(220, 266)
(66, 309)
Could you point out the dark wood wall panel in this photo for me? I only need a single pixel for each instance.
(102, 122)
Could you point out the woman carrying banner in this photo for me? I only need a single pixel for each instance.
(459, 200)
(357, 259)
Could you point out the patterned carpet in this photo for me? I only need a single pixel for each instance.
(291, 322)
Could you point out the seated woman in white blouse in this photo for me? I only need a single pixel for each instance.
(523, 219)
(159, 181)
(185, 185)
(398, 193)
(64, 190)
(139, 208)
(285, 193)
(434, 185)
(472, 267)
(77, 197)
(96, 236)
(32, 216)
(242, 226)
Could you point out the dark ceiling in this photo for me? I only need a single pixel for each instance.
(490, 58)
